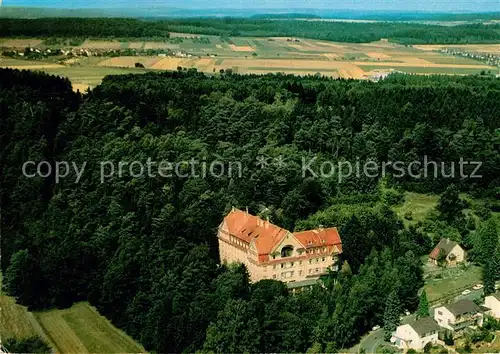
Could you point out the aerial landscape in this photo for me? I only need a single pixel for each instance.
(250, 176)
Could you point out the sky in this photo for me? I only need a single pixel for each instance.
(386, 5)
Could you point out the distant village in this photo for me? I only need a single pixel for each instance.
(41, 53)
(488, 58)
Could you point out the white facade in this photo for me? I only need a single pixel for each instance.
(407, 338)
(446, 319)
(493, 303)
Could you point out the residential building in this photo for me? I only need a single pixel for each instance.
(271, 252)
(452, 250)
(492, 302)
(416, 335)
(459, 315)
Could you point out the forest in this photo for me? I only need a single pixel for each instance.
(404, 33)
(144, 250)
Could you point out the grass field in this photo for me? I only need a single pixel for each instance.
(14, 320)
(80, 329)
(418, 204)
(436, 288)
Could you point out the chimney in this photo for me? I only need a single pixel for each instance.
(267, 222)
(320, 227)
(246, 209)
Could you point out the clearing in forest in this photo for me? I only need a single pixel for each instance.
(81, 329)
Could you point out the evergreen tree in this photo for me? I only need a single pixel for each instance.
(489, 278)
(486, 241)
(423, 306)
(450, 205)
(392, 314)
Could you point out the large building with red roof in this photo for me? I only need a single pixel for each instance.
(270, 252)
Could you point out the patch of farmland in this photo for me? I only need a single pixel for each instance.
(28, 64)
(168, 64)
(91, 44)
(450, 59)
(20, 43)
(238, 41)
(91, 76)
(14, 320)
(378, 55)
(331, 56)
(136, 45)
(161, 45)
(81, 329)
(244, 48)
(129, 62)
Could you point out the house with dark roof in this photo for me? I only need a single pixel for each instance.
(451, 251)
(416, 335)
(271, 252)
(459, 315)
(492, 303)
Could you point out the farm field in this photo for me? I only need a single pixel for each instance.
(14, 320)
(254, 55)
(81, 329)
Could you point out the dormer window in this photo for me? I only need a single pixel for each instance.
(286, 251)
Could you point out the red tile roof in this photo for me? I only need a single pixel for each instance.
(446, 245)
(321, 237)
(266, 235)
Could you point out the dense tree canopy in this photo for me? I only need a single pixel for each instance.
(143, 249)
(406, 33)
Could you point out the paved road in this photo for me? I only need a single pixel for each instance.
(375, 338)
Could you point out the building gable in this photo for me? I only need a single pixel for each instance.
(287, 240)
(444, 312)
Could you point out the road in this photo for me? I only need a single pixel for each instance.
(375, 338)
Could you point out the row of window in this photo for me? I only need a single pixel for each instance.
(285, 275)
(292, 264)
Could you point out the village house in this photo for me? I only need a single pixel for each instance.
(270, 252)
(459, 315)
(416, 335)
(453, 252)
(492, 302)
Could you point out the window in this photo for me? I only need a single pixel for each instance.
(440, 313)
(274, 266)
(310, 271)
(292, 273)
(317, 270)
(291, 264)
(282, 265)
(310, 261)
(274, 276)
(286, 251)
(300, 262)
(300, 272)
(323, 259)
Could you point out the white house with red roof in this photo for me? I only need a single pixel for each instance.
(270, 252)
